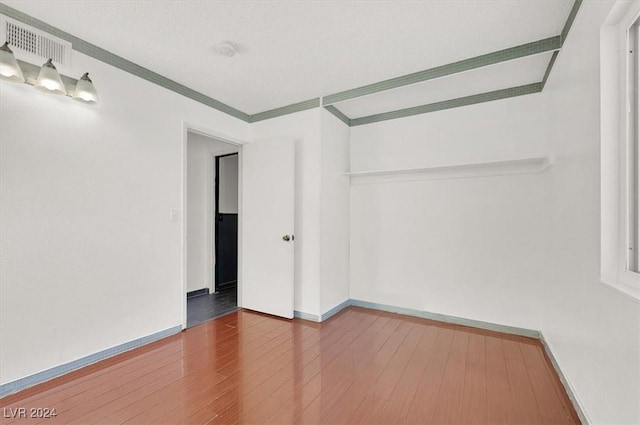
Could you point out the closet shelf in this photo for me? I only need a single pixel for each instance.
(475, 169)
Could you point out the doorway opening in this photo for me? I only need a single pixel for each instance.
(226, 223)
(211, 215)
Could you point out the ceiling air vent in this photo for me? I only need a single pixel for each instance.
(35, 46)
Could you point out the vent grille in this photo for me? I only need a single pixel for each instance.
(31, 44)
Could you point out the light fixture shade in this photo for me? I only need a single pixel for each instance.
(9, 68)
(85, 92)
(49, 80)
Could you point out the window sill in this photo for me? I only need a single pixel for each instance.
(632, 292)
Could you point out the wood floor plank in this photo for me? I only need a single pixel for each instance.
(337, 372)
(374, 358)
(500, 408)
(397, 408)
(474, 397)
(552, 406)
(424, 401)
(449, 399)
(360, 367)
(378, 393)
(520, 387)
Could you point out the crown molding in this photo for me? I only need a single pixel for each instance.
(536, 47)
(338, 114)
(285, 110)
(570, 19)
(448, 104)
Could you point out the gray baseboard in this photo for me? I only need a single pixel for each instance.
(565, 383)
(307, 316)
(419, 313)
(449, 319)
(54, 372)
(335, 310)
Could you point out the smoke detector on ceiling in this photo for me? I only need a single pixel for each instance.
(225, 49)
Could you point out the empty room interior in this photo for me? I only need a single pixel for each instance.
(336, 212)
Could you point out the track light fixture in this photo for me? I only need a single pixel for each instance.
(47, 79)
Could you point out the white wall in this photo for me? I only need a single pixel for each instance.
(334, 216)
(228, 185)
(468, 247)
(594, 331)
(304, 128)
(201, 152)
(90, 258)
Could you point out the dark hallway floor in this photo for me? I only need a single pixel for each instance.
(206, 307)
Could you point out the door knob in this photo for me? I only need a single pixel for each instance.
(287, 238)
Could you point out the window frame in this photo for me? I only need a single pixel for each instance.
(619, 105)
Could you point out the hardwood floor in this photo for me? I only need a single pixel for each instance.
(361, 366)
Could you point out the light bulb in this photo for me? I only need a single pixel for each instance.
(9, 68)
(49, 80)
(85, 92)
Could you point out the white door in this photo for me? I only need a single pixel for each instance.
(267, 226)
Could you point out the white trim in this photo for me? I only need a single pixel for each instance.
(454, 171)
(614, 74)
(628, 290)
(186, 128)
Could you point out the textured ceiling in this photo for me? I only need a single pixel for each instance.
(290, 51)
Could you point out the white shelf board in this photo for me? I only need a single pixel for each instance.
(475, 169)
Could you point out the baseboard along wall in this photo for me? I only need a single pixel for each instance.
(54, 372)
(46, 375)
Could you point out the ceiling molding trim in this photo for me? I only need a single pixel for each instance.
(549, 67)
(449, 104)
(285, 110)
(109, 58)
(565, 32)
(338, 114)
(534, 48)
(570, 19)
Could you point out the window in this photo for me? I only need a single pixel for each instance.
(620, 154)
(633, 123)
